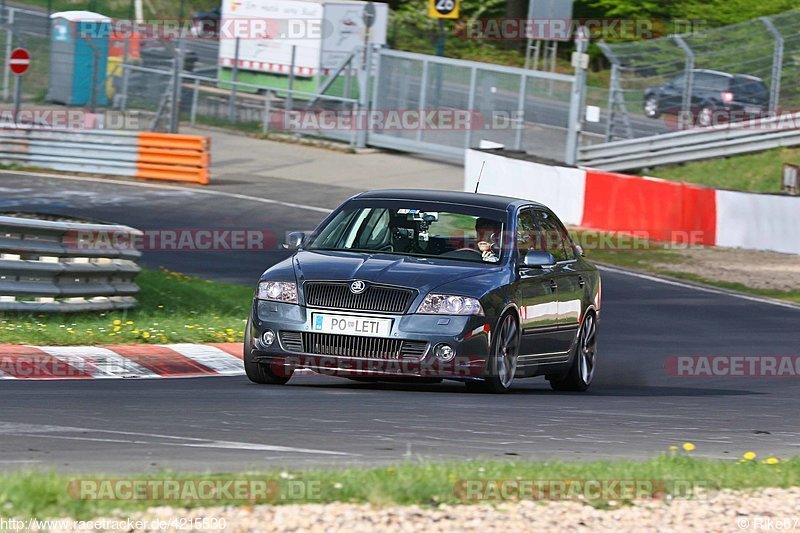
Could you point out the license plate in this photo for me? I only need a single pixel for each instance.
(351, 325)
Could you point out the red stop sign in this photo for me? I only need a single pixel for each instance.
(19, 61)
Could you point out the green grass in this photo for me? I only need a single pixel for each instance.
(172, 307)
(45, 495)
(758, 172)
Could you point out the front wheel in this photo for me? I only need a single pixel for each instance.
(261, 373)
(651, 107)
(581, 372)
(502, 365)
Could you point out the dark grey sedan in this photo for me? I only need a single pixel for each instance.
(427, 285)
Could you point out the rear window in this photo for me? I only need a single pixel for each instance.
(747, 86)
(711, 82)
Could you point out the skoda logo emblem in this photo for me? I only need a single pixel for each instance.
(357, 287)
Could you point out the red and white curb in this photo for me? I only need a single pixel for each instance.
(120, 361)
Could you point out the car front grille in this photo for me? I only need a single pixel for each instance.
(376, 298)
(352, 346)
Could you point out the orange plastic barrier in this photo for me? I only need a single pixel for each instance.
(174, 157)
(665, 211)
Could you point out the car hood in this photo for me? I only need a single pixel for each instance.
(388, 269)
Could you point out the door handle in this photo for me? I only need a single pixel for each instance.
(581, 282)
(553, 285)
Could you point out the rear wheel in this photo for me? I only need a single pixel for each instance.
(502, 365)
(262, 373)
(581, 372)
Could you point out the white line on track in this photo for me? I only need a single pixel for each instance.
(168, 188)
(701, 288)
(47, 431)
(327, 211)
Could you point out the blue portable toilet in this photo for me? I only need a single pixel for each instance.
(78, 55)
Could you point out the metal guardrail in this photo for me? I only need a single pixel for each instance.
(64, 266)
(111, 152)
(679, 147)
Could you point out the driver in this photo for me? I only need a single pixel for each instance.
(488, 231)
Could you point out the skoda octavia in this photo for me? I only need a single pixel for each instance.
(427, 285)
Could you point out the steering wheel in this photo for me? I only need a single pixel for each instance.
(468, 249)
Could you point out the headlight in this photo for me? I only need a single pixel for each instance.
(279, 291)
(440, 304)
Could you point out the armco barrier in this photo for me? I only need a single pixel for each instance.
(663, 210)
(56, 266)
(160, 156)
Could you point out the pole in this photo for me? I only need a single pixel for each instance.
(441, 41)
(9, 47)
(195, 96)
(290, 94)
(267, 113)
(17, 97)
(234, 78)
(686, 102)
(175, 115)
(576, 97)
(777, 65)
(363, 95)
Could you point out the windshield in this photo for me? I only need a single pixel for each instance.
(415, 232)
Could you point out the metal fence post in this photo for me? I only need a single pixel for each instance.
(195, 96)
(9, 47)
(177, 85)
(363, 95)
(686, 102)
(423, 95)
(576, 98)
(267, 113)
(777, 64)
(290, 94)
(234, 79)
(126, 74)
(473, 78)
(523, 87)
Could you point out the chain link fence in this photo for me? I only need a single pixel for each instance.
(718, 75)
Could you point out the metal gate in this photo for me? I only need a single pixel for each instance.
(521, 109)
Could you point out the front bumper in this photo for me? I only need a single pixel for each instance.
(469, 336)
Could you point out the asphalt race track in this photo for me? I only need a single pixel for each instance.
(635, 408)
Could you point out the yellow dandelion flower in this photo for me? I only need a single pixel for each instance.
(116, 328)
(129, 322)
(688, 446)
(771, 461)
(749, 456)
(145, 335)
(673, 448)
(117, 322)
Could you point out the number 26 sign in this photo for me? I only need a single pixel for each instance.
(443, 9)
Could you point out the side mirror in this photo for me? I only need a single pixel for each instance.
(294, 240)
(579, 250)
(536, 259)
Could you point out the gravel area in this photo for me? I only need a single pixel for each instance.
(760, 270)
(719, 511)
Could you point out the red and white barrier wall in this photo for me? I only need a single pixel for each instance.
(663, 210)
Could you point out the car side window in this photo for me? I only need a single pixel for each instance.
(554, 237)
(527, 232)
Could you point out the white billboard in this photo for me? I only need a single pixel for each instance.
(323, 33)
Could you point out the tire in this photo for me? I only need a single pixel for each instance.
(259, 372)
(580, 375)
(502, 364)
(651, 107)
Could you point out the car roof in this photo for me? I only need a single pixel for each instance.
(490, 201)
